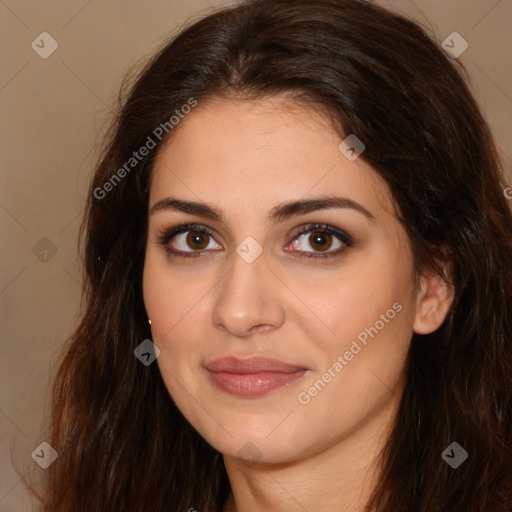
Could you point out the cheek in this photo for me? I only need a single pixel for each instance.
(367, 315)
(171, 295)
(370, 295)
(174, 306)
(359, 368)
(178, 305)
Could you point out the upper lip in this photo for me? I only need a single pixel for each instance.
(251, 365)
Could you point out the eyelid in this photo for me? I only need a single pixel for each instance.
(323, 227)
(168, 233)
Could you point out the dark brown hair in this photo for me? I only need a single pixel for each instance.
(122, 443)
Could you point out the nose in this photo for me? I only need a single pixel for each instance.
(249, 299)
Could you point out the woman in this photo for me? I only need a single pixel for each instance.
(297, 279)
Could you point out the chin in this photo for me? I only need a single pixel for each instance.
(249, 443)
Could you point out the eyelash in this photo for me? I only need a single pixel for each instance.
(167, 234)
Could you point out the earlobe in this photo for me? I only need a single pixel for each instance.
(433, 302)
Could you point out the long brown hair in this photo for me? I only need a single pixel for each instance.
(122, 443)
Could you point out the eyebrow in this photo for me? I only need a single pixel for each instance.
(277, 214)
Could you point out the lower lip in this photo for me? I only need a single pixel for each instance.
(253, 384)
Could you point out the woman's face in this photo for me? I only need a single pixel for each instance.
(336, 310)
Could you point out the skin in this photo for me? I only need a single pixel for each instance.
(245, 157)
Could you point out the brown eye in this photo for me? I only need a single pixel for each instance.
(320, 240)
(188, 240)
(192, 241)
(197, 240)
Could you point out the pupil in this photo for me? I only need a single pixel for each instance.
(196, 239)
(321, 239)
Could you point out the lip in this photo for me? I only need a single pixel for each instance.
(251, 365)
(253, 376)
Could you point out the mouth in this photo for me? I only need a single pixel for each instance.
(252, 377)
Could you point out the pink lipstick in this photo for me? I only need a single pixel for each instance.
(252, 377)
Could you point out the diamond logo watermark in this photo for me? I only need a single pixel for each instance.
(249, 249)
(454, 455)
(44, 45)
(147, 352)
(45, 455)
(44, 250)
(351, 147)
(455, 45)
(249, 453)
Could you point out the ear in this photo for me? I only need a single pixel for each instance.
(433, 301)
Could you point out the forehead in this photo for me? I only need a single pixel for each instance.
(260, 152)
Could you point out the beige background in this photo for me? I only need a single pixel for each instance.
(53, 115)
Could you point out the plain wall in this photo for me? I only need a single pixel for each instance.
(54, 113)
